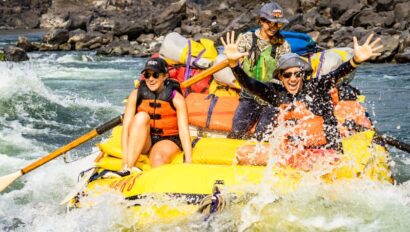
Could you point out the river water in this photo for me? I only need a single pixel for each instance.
(58, 96)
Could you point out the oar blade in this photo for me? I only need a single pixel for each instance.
(5, 181)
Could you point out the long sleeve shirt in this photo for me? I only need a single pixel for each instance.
(314, 93)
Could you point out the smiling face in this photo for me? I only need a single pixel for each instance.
(292, 79)
(268, 28)
(154, 80)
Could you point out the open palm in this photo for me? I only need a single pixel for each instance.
(231, 49)
(367, 50)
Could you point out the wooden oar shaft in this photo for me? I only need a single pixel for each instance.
(396, 143)
(204, 74)
(75, 143)
(59, 151)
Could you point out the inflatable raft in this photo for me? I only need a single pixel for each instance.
(214, 164)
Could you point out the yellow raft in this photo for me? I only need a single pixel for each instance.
(213, 163)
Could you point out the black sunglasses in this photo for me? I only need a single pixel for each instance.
(147, 75)
(297, 74)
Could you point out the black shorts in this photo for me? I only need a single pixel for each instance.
(174, 138)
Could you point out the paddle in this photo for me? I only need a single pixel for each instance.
(394, 142)
(8, 179)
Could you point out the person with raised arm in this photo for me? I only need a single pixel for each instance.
(303, 103)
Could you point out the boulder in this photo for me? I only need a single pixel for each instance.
(56, 36)
(31, 19)
(403, 57)
(391, 46)
(116, 48)
(347, 17)
(78, 21)
(322, 22)
(77, 35)
(171, 17)
(401, 12)
(15, 54)
(25, 44)
(367, 18)
(384, 5)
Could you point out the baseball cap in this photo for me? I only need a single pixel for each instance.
(272, 12)
(156, 64)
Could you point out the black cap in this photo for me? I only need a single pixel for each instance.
(272, 12)
(156, 64)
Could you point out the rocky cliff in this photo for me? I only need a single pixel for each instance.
(136, 27)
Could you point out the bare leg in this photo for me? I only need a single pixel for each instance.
(250, 155)
(163, 152)
(139, 139)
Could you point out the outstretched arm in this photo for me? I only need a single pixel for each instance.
(183, 127)
(361, 53)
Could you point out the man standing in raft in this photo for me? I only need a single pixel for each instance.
(265, 46)
(303, 104)
(155, 119)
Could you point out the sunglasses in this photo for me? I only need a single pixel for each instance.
(272, 24)
(297, 74)
(147, 75)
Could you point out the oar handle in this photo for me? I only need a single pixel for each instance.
(205, 73)
(97, 131)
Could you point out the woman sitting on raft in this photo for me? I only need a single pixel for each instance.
(304, 104)
(154, 116)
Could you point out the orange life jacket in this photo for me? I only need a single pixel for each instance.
(303, 124)
(210, 111)
(347, 112)
(159, 107)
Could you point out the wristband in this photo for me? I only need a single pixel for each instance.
(354, 61)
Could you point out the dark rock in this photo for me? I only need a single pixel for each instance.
(78, 21)
(391, 46)
(401, 12)
(131, 28)
(15, 54)
(388, 18)
(170, 18)
(76, 36)
(56, 36)
(367, 18)
(338, 7)
(116, 48)
(322, 22)
(403, 57)
(25, 44)
(31, 19)
(300, 28)
(384, 5)
(347, 17)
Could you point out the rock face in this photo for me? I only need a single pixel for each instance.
(132, 27)
(16, 54)
(22, 13)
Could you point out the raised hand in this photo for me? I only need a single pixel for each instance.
(367, 50)
(231, 49)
